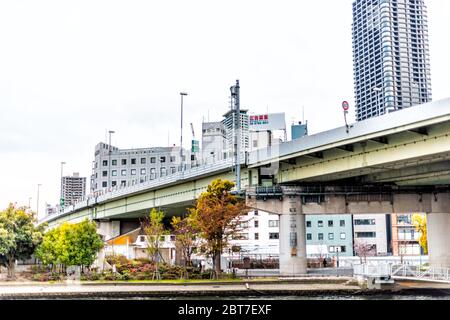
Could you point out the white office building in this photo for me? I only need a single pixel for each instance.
(214, 142)
(372, 230)
(114, 167)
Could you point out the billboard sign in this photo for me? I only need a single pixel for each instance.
(266, 122)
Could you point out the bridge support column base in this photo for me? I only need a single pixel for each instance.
(438, 232)
(292, 239)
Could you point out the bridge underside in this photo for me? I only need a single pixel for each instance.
(292, 204)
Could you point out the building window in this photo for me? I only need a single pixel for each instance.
(330, 223)
(104, 184)
(342, 223)
(243, 225)
(152, 173)
(173, 170)
(255, 212)
(162, 159)
(320, 236)
(104, 173)
(113, 183)
(163, 171)
(133, 161)
(143, 171)
(331, 236)
(114, 173)
(152, 160)
(274, 235)
(343, 249)
(172, 159)
(308, 236)
(343, 236)
(123, 183)
(124, 162)
(366, 234)
(114, 162)
(143, 160)
(320, 223)
(255, 143)
(133, 172)
(365, 222)
(256, 236)
(123, 172)
(308, 224)
(273, 223)
(256, 223)
(105, 163)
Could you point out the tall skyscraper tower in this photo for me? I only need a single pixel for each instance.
(390, 56)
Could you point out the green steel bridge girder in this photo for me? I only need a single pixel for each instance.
(173, 200)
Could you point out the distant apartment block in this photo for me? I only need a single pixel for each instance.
(73, 188)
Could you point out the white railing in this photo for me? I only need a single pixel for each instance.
(366, 270)
(420, 272)
(403, 271)
(118, 192)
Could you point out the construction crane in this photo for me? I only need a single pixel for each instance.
(193, 134)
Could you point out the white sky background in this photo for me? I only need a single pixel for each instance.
(70, 70)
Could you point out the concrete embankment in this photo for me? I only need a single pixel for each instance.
(264, 289)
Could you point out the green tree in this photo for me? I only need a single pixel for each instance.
(420, 222)
(70, 245)
(19, 236)
(185, 233)
(216, 215)
(153, 227)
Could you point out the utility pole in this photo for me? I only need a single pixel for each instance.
(235, 100)
(182, 94)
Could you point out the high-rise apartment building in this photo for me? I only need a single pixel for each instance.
(390, 56)
(73, 188)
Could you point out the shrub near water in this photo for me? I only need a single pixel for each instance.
(143, 269)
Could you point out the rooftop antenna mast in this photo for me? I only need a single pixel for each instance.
(235, 105)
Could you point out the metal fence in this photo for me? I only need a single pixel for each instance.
(403, 271)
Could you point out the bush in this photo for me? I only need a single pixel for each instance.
(117, 260)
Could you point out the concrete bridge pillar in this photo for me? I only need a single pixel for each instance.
(108, 229)
(438, 229)
(292, 238)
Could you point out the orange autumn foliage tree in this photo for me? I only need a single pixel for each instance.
(216, 216)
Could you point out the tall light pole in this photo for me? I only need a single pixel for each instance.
(37, 201)
(61, 199)
(109, 158)
(182, 94)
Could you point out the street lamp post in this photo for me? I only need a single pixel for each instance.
(61, 198)
(378, 90)
(109, 158)
(182, 94)
(37, 201)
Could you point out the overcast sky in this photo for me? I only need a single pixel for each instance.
(71, 70)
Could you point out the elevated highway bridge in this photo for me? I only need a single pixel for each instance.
(399, 162)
